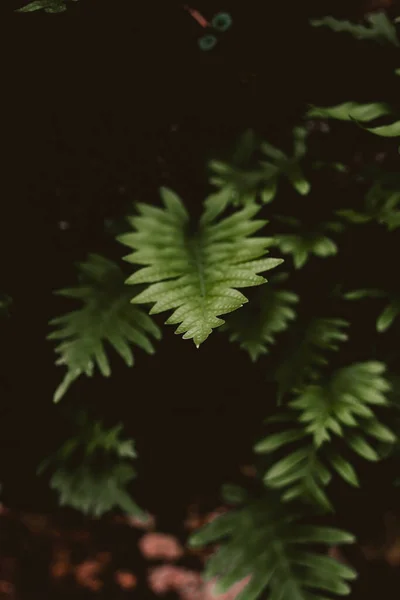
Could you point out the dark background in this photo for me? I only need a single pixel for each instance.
(102, 105)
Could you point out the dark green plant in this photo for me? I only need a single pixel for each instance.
(92, 469)
(327, 410)
(379, 29)
(106, 316)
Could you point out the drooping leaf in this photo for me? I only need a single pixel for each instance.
(92, 469)
(272, 548)
(107, 315)
(307, 352)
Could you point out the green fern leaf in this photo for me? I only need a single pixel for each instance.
(288, 166)
(92, 471)
(257, 324)
(353, 216)
(388, 315)
(343, 407)
(302, 246)
(107, 315)
(364, 293)
(196, 274)
(245, 183)
(350, 392)
(48, 6)
(354, 111)
(381, 205)
(391, 130)
(307, 356)
(380, 29)
(350, 111)
(271, 547)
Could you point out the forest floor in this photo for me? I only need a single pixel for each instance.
(66, 555)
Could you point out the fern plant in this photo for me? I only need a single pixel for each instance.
(255, 326)
(92, 469)
(362, 113)
(106, 315)
(196, 273)
(379, 28)
(301, 244)
(342, 407)
(272, 547)
(325, 416)
(259, 179)
(307, 356)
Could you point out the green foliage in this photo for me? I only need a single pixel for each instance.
(354, 111)
(381, 206)
(93, 469)
(248, 183)
(331, 416)
(107, 315)
(196, 273)
(272, 546)
(306, 356)
(303, 243)
(48, 6)
(391, 130)
(379, 29)
(388, 314)
(342, 407)
(350, 111)
(280, 163)
(256, 325)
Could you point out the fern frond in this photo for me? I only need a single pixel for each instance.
(107, 315)
(301, 246)
(92, 471)
(344, 407)
(379, 29)
(354, 111)
(289, 166)
(256, 325)
(246, 183)
(350, 111)
(196, 274)
(273, 548)
(302, 243)
(382, 204)
(48, 6)
(307, 356)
